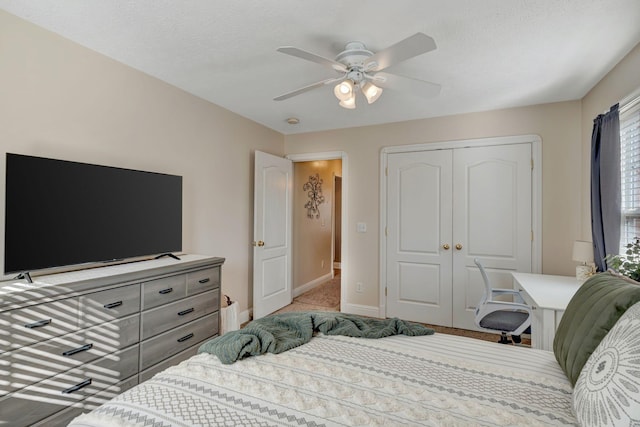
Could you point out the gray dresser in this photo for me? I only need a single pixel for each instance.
(71, 341)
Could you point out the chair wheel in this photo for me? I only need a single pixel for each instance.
(504, 339)
(516, 339)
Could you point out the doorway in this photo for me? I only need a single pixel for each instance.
(318, 242)
(273, 287)
(314, 228)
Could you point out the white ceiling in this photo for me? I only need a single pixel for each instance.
(491, 54)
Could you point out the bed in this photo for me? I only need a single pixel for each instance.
(434, 380)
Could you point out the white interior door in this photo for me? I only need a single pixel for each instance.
(492, 221)
(272, 288)
(419, 236)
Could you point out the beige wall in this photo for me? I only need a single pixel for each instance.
(557, 124)
(312, 236)
(58, 99)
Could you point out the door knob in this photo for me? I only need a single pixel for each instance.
(458, 246)
(258, 243)
(446, 246)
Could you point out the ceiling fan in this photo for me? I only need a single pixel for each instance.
(360, 68)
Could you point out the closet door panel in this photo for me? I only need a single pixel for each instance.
(491, 207)
(492, 221)
(419, 229)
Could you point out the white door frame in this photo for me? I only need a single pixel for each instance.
(335, 155)
(536, 194)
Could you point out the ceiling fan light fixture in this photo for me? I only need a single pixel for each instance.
(349, 103)
(362, 69)
(344, 90)
(371, 92)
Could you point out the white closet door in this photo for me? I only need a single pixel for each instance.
(492, 221)
(419, 225)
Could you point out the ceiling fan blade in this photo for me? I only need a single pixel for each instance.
(305, 89)
(415, 45)
(299, 53)
(417, 87)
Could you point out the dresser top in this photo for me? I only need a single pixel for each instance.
(18, 293)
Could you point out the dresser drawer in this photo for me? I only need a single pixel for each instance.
(165, 345)
(95, 400)
(161, 291)
(25, 326)
(41, 361)
(64, 417)
(104, 306)
(61, 419)
(177, 313)
(47, 397)
(172, 361)
(203, 280)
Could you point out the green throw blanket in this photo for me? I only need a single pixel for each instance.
(282, 332)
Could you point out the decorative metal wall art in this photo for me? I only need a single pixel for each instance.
(314, 191)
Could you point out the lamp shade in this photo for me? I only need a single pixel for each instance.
(583, 251)
(371, 92)
(349, 103)
(343, 90)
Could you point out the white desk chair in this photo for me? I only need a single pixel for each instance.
(510, 318)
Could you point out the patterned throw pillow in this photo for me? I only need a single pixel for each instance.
(607, 392)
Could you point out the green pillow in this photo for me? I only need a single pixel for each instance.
(591, 313)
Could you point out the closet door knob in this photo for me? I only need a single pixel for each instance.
(458, 246)
(258, 243)
(446, 246)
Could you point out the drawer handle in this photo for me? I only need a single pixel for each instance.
(38, 324)
(184, 338)
(113, 304)
(203, 281)
(187, 311)
(77, 386)
(166, 291)
(78, 350)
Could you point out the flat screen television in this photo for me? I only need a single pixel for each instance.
(62, 213)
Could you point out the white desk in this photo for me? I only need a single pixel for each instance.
(549, 296)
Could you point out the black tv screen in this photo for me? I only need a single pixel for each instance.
(61, 213)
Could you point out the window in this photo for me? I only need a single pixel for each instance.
(630, 170)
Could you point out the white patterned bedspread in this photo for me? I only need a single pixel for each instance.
(436, 380)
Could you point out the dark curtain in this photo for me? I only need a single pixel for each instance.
(605, 186)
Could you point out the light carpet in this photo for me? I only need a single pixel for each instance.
(324, 295)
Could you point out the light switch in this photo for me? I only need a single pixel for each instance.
(361, 227)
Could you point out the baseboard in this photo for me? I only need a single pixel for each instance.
(361, 310)
(312, 284)
(245, 316)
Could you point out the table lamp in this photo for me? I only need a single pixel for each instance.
(583, 252)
